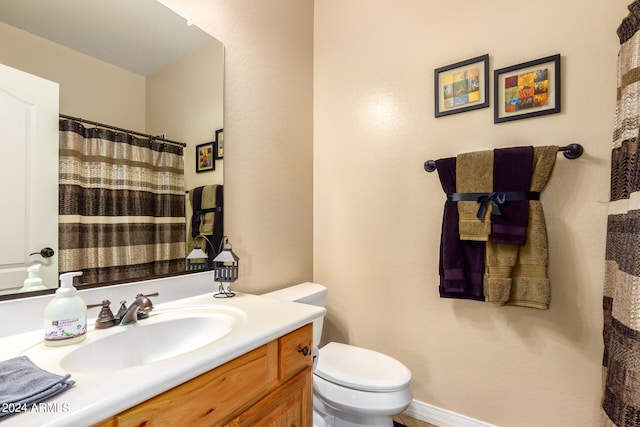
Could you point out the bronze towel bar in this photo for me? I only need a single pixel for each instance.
(571, 151)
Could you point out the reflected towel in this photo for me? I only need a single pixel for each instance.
(474, 174)
(23, 383)
(512, 168)
(208, 201)
(461, 263)
(195, 198)
(208, 224)
(517, 275)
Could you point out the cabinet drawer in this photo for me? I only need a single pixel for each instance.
(292, 347)
(209, 398)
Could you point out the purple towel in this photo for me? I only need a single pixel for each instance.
(512, 169)
(196, 205)
(461, 263)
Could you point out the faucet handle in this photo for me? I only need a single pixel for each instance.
(98, 305)
(144, 304)
(105, 317)
(122, 310)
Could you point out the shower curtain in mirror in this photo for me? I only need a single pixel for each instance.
(121, 204)
(621, 360)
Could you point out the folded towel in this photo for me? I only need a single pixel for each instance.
(517, 275)
(208, 202)
(208, 224)
(218, 222)
(23, 383)
(461, 261)
(531, 286)
(195, 198)
(512, 168)
(474, 174)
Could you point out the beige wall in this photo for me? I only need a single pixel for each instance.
(89, 88)
(378, 214)
(268, 131)
(185, 101)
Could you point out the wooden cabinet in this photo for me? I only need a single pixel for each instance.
(269, 386)
(288, 405)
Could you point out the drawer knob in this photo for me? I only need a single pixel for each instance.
(304, 350)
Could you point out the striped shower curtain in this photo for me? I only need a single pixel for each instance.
(121, 205)
(621, 360)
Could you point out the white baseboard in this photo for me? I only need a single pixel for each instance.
(441, 417)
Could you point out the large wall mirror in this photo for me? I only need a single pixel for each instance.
(134, 65)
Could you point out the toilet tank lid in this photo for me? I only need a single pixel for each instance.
(305, 292)
(361, 369)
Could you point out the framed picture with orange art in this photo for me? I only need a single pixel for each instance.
(527, 90)
(463, 86)
(205, 157)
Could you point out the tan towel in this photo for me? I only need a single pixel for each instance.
(517, 275)
(208, 202)
(474, 174)
(208, 219)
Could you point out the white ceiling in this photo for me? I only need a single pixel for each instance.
(138, 35)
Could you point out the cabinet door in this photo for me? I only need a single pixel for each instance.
(295, 351)
(209, 399)
(290, 405)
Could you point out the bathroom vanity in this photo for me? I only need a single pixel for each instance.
(270, 385)
(239, 361)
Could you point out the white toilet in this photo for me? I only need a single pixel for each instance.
(352, 386)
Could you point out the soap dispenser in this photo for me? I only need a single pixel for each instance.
(65, 318)
(33, 282)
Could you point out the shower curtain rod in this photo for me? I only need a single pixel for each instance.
(102, 125)
(571, 151)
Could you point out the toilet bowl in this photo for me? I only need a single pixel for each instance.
(352, 386)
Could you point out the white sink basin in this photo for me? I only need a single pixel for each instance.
(165, 334)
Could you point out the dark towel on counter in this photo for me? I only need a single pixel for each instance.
(461, 263)
(23, 383)
(512, 169)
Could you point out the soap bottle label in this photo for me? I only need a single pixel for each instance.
(58, 330)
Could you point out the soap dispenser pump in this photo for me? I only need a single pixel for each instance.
(65, 318)
(33, 282)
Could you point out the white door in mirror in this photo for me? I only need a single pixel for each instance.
(28, 144)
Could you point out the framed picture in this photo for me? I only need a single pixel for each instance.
(463, 86)
(220, 143)
(527, 90)
(205, 157)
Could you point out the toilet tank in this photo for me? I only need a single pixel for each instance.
(305, 293)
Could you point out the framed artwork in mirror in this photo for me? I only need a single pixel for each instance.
(463, 86)
(205, 160)
(220, 143)
(527, 90)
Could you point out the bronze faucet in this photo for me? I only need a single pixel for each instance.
(139, 309)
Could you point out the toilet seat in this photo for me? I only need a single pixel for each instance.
(358, 402)
(361, 369)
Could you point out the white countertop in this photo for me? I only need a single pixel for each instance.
(97, 396)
